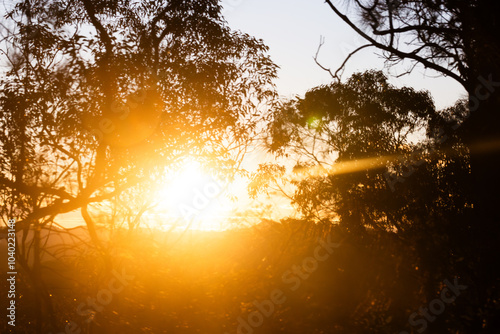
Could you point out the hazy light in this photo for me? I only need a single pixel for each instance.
(194, 198)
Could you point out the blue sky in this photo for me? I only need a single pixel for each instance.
(292, 30)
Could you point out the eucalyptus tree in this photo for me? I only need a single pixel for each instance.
(98, 96)
(344, 136)
(458, 39)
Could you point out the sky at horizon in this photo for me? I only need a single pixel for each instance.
(292, 29)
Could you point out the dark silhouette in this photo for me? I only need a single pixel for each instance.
(458, 39)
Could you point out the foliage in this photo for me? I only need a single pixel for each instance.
(98, 94)
(345, 136)
(458, 39)
(101, 97)
(455, 38)
(227, 273)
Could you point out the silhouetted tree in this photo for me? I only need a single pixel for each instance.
(100, 95)
(345, 136)
(458, 39)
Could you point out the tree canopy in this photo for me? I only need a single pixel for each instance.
(97, 95)
(345, 137)
(459, 39)
(99, 98)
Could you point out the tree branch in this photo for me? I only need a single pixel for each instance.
(414, 28)
(99, 27)
(395, 51)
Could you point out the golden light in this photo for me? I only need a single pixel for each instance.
(193, 198)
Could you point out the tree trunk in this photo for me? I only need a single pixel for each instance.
(482, 135)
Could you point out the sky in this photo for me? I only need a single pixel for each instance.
(292, 29)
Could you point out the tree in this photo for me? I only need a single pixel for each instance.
(344, 137)
(99, 96)
(458, 39)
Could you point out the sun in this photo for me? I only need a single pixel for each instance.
(194, 198)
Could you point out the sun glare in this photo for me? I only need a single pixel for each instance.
(193, 198)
